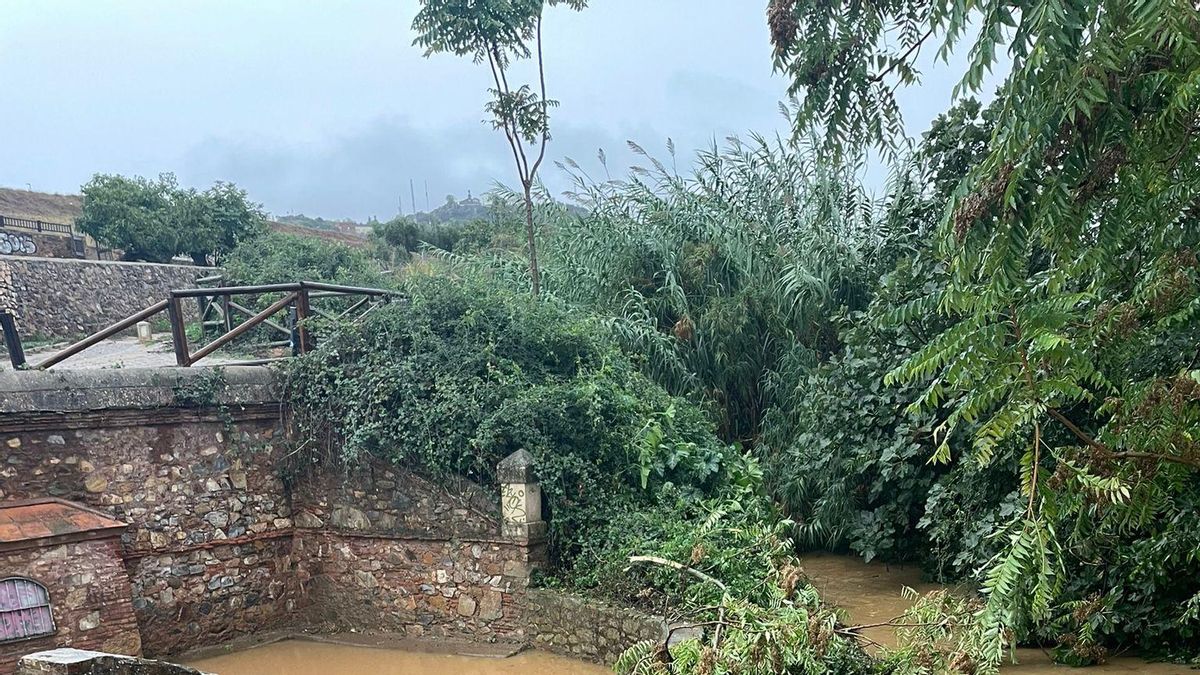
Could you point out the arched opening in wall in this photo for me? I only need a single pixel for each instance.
(25, 610)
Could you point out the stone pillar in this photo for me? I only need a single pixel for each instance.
(521, 517)
(520, 499)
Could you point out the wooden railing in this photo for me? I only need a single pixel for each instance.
(218, 309)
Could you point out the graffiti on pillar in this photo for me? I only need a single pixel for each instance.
(19, 244)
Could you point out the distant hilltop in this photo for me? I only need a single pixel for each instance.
(47, 207)
(454, 211)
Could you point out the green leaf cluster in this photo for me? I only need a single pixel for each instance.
(463, 374)
(155, 220)
(279, 258)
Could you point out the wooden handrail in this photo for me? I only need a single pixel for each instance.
(242, 328)
(299, 332)
(274, 288)
(356, 290)
(102, 335)
(234, 290)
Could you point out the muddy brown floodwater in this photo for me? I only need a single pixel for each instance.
(871, 592)
(294, 657)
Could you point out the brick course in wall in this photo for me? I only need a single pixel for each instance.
(57, 297)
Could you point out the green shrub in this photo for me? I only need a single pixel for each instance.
(852, 469)
(463, 375)
(277, 258)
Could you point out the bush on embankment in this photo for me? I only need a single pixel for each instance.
(461, 375)
(278, 258)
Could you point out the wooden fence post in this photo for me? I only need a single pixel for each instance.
(302, 314)
(178, 331)
(16, 351)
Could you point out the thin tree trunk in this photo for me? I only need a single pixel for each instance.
(534, 273)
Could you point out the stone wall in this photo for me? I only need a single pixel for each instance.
(209, 546)
(586, 629)
(57, 297)
(22, 242)
(221, 545)
(422, 588)
(91, 603)
(379, 499)
(389, 550)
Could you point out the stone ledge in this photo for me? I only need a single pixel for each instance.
(128, 388)
(585, 628)
(107, 263)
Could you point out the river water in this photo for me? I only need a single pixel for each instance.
(296, 657)
(871, 592)
(868, 593)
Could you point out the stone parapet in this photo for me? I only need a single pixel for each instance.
(122, 389)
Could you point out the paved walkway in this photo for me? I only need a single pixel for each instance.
(122, 352)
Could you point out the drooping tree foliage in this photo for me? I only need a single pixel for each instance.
(1071, 351)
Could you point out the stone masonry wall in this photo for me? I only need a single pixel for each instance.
(90, 602)
(58, 297)
(219, 545)
(586, 629)
(423, 588)
(380, 499)
(19, 241)
(391, 550)
(209, 545)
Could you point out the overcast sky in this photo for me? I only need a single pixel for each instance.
(325, 107)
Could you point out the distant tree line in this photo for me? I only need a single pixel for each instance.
(156, 220)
